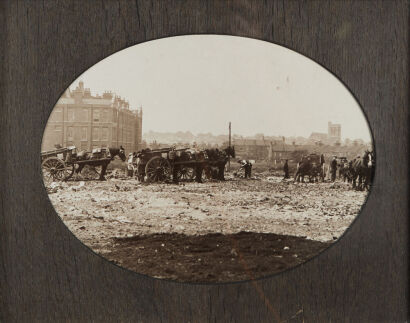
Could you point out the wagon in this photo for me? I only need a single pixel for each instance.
(159, 165)
(316, 171)
(60, 164)
(312, 166)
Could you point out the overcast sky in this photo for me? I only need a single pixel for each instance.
(200, 83)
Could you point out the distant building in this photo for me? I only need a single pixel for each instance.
(273, 151)
(319, 137)
(333, 135)
(251, 148)
(358, 142)
(334, 132)
(85, 121)
(277, 151)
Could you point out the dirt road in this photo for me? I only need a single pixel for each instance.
(121, 214)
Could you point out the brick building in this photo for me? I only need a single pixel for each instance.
(85, 121)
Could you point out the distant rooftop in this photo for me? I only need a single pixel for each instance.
(108, 98)
(318, 136)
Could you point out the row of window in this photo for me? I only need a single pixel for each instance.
(98, 115)
(81, 133)
(335, 131)
(78, 114)
(84, 146)
(100, 134)
(77, 133)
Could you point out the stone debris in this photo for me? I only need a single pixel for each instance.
(116, 173)
(54, 187)
(79, 187)
(117, 207)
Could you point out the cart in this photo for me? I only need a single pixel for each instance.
(60, 164)
(316, 171)
(159, 165)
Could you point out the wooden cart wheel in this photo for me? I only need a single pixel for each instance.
(158, 169)
(186, 173)
(54, 169)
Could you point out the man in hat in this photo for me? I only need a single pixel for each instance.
(246, 165)
(248, 169)
(286, 169)
(333, 168)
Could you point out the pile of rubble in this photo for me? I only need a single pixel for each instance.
(120, 207)
(116, 216)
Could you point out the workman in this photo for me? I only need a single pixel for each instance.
(333, 168)
(286, 169)
(248, 169)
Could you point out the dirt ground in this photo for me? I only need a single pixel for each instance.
(211, 232)
(212, 257)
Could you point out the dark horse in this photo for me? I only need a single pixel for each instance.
(362, 168)
(218, 158)
(311, 166)
(186, 156)
(87, 156)
(304, 168)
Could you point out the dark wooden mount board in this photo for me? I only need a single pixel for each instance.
(46, 274)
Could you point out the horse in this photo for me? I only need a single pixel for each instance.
(87, 156)
(343, 168)
(218, 158)
(186, 156)
(200, 157)
(304, 168)
(319, 169)
(372, 166)
(344, 171)
(311, 166)
(362, 168)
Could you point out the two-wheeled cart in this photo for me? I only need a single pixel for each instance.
(60, 164)
(159, 165)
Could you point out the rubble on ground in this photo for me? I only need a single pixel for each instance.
(206, 232)
(123, 206)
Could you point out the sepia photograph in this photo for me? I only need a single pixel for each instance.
(207, 159)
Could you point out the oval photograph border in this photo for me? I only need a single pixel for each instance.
(268, 275)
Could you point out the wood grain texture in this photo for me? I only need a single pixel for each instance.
(46, 274)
